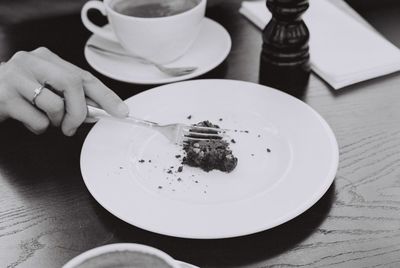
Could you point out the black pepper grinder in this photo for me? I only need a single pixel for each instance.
(285, 58)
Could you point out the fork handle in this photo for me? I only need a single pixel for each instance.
(94, 114)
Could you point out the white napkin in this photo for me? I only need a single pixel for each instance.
(343, 51)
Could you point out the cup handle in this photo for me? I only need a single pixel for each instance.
(105, 33)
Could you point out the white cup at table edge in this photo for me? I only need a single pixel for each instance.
(161, 39)
(117, 247)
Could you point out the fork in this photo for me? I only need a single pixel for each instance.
(177, 133)
(172, 71)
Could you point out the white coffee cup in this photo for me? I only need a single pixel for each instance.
(158, 39)
(124, 255)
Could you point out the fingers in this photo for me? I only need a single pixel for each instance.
(63, 102)
(92, 86)
(68, 84)
(52, 105)
(32, 118)
(92, 103)
(48, 102)
(104, 97)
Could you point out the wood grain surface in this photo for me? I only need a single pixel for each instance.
(47, 216)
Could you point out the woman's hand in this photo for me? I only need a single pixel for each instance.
(62, 103)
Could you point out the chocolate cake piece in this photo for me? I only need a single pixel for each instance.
(209, 154)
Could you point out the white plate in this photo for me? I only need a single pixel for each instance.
(208, 51)
(266, 188)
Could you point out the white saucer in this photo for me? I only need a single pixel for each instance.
(209, 50)
(287, 160)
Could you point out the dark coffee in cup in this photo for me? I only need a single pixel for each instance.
(153, 8)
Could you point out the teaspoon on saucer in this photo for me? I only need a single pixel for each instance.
(172, 71)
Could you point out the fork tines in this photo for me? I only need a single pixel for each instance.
(203, 133)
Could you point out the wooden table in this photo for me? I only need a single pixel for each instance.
(47, 216)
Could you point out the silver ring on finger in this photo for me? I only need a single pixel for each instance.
(37, 92)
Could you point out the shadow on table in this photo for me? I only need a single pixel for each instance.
(226, 252)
